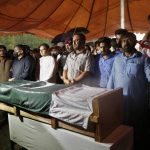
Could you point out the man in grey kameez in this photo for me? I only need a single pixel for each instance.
(79, 62)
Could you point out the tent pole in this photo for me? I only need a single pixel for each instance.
(122, 14)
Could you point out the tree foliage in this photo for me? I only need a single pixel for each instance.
(33, 41)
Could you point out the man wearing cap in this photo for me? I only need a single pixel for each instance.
(68, 45)
(64, 55)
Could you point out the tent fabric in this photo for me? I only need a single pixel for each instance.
(51, 17)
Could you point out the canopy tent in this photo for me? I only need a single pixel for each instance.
(51, 17)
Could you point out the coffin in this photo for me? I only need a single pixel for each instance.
(106, 117)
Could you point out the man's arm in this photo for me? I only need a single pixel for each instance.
(81, 76)
(110, 84)
(65, 77)
(147, 68)
(65, 72)
(87, 69)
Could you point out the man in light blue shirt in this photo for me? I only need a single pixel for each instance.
(131, 71)
(104, 62)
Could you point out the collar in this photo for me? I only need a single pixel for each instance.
(135, 54)
(80, 52)
(110, 55)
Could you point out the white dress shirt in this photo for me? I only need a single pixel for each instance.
(47, 66)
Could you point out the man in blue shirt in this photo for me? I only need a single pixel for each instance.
(131, 71)
(104, 62)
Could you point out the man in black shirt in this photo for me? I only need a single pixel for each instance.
(23, 67)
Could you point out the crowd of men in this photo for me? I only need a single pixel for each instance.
(109, 63)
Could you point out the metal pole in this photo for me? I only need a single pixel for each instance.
(122, 15)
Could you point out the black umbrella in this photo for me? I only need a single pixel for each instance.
(79, 30)
(62, 37)
(68, 35)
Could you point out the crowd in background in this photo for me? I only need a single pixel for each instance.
(107, 63)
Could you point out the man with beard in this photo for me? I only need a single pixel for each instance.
(104, 61)
(78, 64)
(23, 67)
(119, 33)
(131, 71)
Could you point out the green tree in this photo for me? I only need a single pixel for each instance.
(33, 41)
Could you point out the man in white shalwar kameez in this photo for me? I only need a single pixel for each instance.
(47, 65)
